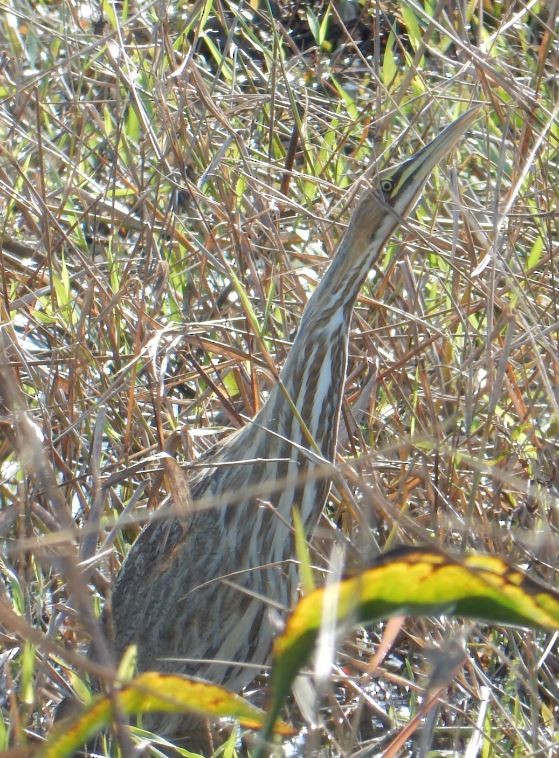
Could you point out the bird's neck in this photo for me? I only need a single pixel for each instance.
(305, 405)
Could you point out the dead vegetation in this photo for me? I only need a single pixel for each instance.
(148, 152)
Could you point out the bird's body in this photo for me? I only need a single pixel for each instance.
(204, 574)
(193, 593)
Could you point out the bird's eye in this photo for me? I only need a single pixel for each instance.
(386, 185)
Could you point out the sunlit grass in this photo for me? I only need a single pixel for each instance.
(173, 182)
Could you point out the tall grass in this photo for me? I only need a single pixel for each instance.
(148, 151)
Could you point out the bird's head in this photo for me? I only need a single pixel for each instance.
(394, 193)
(400, 186)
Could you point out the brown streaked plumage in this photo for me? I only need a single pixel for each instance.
(193, 595)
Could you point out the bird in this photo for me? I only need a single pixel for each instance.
(194, 593)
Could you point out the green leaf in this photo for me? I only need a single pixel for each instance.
(241, 186)
(148, 693)
(319, 29)
(132, 127)
(128, 663)
(4, 735)
(313, 23)
(219, 58)
(535, 254)
(352, 110)
(27, 691)
(323, 31)
(389, 65)
(245, 301)
(80, 687)
(208, 7)
(412, 27)
(230, 382)
(18, 597)
(412, 581)
(303, 554)
(109, 14)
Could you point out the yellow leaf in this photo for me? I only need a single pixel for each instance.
(412, 581)
(150, 692)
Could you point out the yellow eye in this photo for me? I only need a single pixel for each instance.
(386, 186)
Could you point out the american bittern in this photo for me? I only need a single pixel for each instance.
(192, 595)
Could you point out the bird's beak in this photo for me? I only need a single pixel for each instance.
(401, 184)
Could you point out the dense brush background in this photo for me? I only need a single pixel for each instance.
(148, 150)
